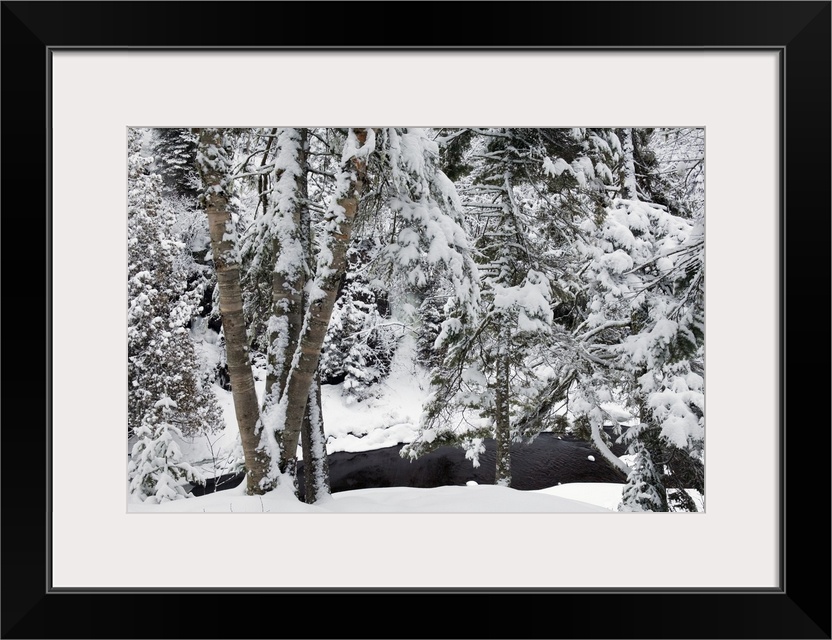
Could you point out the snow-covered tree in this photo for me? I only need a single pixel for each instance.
(162, 361)
(360, 340)
(304, 286)
(258, 172)
(168, 395)
(430, 316)
(644, 490)
(174, 151)
(174, 159)
(494, 369)
(157, 471)
(644, 329)
(322, 289)
(281, 248)
(591, 293)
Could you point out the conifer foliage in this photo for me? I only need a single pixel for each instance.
(158, 471)
(644, 490)
(168, 395)
(360, 340)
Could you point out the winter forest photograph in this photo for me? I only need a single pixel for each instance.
(398, 319)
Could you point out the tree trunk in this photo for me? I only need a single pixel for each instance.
(288, 282)
(502, 474)
(630, 190)
(287, 213)
(212, 163)
(292, 244)
(331, 265)
(313, 444)
(313, 437)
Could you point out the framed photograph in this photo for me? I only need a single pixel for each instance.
(753, 76)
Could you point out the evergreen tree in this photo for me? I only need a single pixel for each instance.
(360, 341)
(430, 317)
(644, 490)
(174, 153)
(258, 234)
(174, 159)
(521, 214)
(162, 361)
(157, 471)
(644, 331)
(168, 396)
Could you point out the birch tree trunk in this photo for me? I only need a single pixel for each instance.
(291, 237)
(286, 211)
(213, 166)
(313, 444)
(291, 252)
(331, 265)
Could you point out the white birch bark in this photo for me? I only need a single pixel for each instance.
(213, 165)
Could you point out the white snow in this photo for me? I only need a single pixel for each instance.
(468, 499)
(557, 167)
(388, 416)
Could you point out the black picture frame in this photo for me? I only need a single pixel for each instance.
(799, 608)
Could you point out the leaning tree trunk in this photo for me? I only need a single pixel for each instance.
(331, 265)
(213, 165)
(313, 444)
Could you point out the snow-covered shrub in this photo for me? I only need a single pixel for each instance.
(157, 471)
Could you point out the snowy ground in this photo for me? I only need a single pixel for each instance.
(469, 499)
(389, 416)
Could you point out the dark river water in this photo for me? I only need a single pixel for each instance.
(546, 462)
